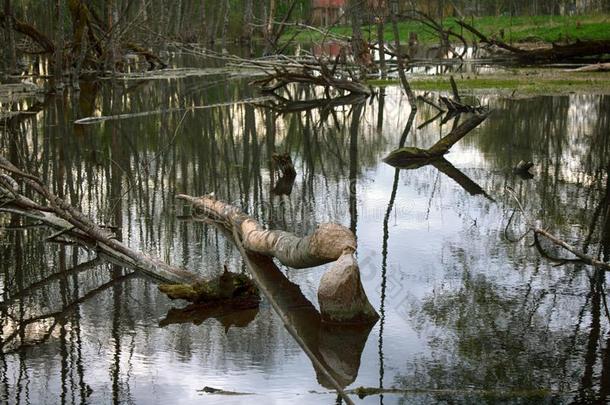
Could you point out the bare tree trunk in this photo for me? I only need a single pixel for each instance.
(10, 36)
(225, 27)
(111, 50)
(143, 11)
(381, 42)
(270, 19)
(178, 20)
(59, 49)
(401, 65)
(269, 29)
(246, 37)
(359, 48)
(203, 35)
(214, 25)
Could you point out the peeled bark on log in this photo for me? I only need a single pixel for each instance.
(326, 244)
(341, 295)
(407, 155)
(329, 242)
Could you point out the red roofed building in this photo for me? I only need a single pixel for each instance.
(327, 12)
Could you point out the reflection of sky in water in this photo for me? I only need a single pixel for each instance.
(461, 302)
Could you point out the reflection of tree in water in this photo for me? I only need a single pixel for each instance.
(124, 173)
(539, 332)
(529, 340)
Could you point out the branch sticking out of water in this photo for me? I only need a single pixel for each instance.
(538, 231)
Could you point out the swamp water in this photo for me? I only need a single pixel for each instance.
(467, 315)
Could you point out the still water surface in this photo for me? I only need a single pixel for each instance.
(466, 314)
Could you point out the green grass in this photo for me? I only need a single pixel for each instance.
(516, 29)
(526, 81)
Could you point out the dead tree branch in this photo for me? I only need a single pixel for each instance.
(538, 231)
(412, 155)
(57, 213)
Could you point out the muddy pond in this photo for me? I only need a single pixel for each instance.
(469, 312)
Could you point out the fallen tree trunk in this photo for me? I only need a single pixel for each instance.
(334, 350)
(74, 224)
(596, 67)
(326, 244)
(340, 294)
(412, 155)
(555, 53)
(283, 77)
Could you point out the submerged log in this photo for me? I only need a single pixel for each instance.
(412, 155)
(225, 287)
(341, 295)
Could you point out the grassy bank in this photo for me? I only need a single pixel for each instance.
(516, 29)
(518, 82)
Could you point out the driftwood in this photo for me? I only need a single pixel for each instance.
(456, 105)
(340, 295)
(412, 155)
(283, 105)
(334, 349)
(523, 169)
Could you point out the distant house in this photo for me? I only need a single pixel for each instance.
(327, 12)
